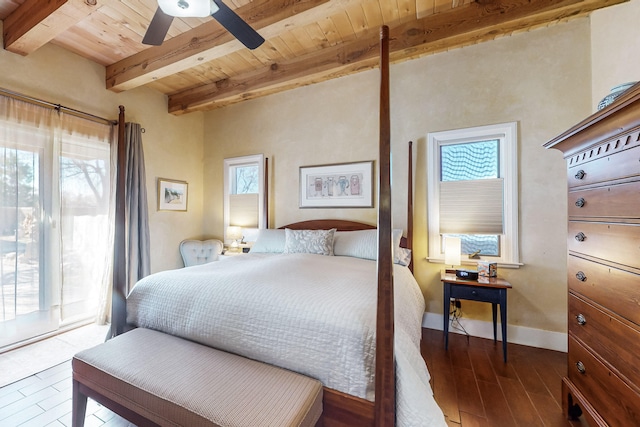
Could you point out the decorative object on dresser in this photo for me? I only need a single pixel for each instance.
(603, 170)
(616, 91)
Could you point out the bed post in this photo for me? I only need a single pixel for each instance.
(265, 202)
(385, 386)
(118, 299)
(410, 204)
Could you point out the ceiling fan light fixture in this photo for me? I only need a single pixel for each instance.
(188, 8)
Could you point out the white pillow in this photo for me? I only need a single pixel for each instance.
(358, 244)
(309, 241)
(269, 240)
(396, 236)
(364, 244)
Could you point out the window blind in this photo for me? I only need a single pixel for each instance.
(243, 210)
(471, 206)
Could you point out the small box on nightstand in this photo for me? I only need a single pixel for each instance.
(487, 269)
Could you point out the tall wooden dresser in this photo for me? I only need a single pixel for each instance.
(603, 172)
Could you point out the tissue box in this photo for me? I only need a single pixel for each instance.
(487, 269)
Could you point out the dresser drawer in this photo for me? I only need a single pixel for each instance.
(616, 342)
(617, 290)
(616, 402)
(615, 201)
(623, 164)
(619, 243)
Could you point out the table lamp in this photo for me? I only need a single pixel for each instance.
(234, 233)
(452, 247)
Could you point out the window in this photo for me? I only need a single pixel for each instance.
(244, 194)
(473, 192)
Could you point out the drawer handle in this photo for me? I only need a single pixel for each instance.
(580, 174)
(581, 276)
(580, 237)
(581, 319)
(580, 367)
(474, 293)
(580, 202)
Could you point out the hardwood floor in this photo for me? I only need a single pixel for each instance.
(44, 399)
(475, 388)
(36, 357)
(471, 383)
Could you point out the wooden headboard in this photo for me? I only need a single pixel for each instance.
(328, 224)
(339, 225)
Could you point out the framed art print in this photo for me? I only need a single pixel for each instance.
(342, 185)
(172, 195)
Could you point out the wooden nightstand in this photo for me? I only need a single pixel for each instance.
(241, 249)
(485, 289)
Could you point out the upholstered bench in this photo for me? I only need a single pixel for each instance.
(152, 378)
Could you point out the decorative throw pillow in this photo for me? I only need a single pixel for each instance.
(402, 256)
(309, 241)
(269, 241)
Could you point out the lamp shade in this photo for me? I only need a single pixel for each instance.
(234, 232)
(188, 8)
(452, 247)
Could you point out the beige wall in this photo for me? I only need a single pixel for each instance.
(615, 43)
(540, 79)
(326, 123)
(173, 145)
(537, 79)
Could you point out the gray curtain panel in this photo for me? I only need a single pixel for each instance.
(136, 226)
(137, 209)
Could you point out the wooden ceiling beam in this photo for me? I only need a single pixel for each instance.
(459, 27)
(35, 23)
(210, 41)
(339, 60)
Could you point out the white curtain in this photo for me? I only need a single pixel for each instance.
(56, 217)
(87, 209)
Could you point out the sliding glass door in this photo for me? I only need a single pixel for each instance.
(56, 222)
(27, 300)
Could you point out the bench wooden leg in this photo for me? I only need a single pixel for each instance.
(79, 406)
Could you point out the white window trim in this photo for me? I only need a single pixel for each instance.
(239, 161)
(507, 134)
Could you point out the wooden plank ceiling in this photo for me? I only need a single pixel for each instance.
(200, 66)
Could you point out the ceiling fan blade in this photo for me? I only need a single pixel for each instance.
(237, 26)
(157, 28)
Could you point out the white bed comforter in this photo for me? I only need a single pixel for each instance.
(312, 314)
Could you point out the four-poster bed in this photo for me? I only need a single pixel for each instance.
(341, 405)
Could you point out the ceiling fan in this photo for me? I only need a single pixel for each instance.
(168, 9)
